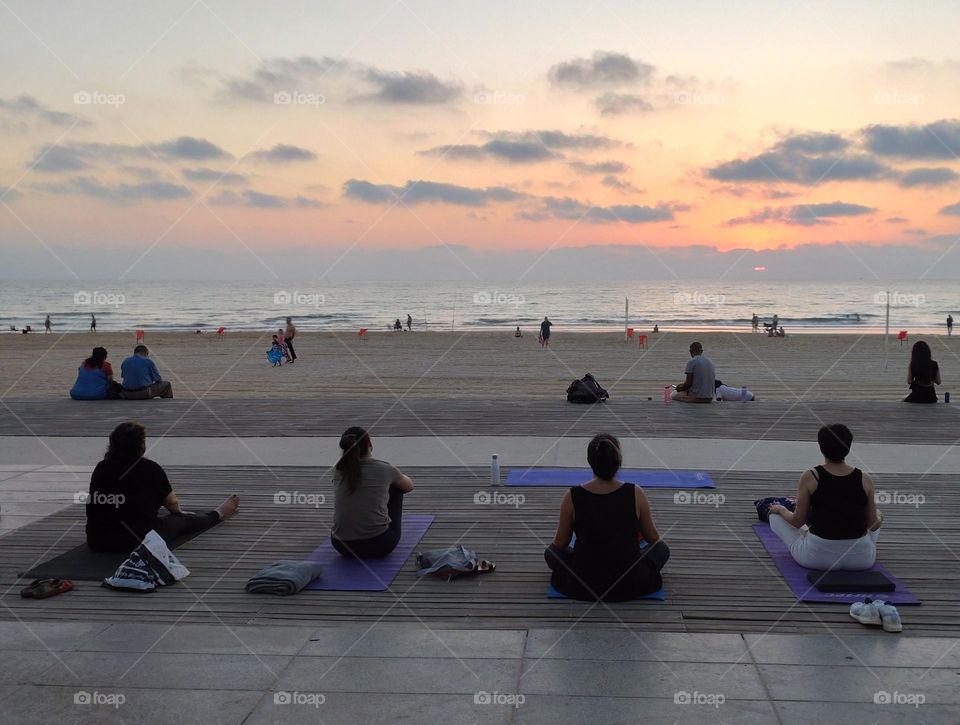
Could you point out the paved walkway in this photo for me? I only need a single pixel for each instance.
(147, 673)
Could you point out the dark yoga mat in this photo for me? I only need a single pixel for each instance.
(796, 576)
(83, 564)
(641, 477)
(658, 595)
(368, 575)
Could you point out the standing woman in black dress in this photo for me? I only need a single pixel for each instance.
(923, 375)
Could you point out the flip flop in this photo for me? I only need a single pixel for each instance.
(43, 588)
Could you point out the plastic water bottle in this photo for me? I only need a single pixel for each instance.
(666, 393)
(494, 470)
(946, 397)
(743, 394)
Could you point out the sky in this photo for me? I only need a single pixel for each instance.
(435, 139)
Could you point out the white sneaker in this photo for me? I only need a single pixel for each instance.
(890, 617)
(866, 612)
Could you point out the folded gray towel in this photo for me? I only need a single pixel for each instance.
(284, 577)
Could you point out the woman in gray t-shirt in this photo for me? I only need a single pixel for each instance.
(367, 499)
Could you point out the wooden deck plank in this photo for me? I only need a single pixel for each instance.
(879, 422)
(719, 578)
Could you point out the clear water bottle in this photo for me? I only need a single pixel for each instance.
(743, 394)
(946, 397)
(494, 470)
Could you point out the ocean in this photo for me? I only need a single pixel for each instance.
(683, 305)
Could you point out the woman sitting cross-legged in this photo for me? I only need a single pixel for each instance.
(610, 519)
(126, 492)
(836, 522)
(367, 500)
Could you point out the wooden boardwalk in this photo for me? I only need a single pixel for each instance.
(719, 578)
(771, 420)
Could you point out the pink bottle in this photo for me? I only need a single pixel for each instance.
(666, 393)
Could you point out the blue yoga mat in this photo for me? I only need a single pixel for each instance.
(658, 595)
(368, 575)
(796, 576)
(640, 477)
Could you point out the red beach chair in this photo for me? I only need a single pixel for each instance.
(902, 336)
(643, 341)
(220, 331)
(363, 333)
(139, 336)
(630, 333)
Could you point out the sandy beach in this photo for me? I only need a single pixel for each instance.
(481, 365)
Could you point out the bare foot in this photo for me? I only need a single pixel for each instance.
(229, 507)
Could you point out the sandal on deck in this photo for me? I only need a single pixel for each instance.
(43, 588)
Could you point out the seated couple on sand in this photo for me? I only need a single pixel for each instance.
(141, 379)
(836, 523)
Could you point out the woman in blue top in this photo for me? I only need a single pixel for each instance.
(95, 378)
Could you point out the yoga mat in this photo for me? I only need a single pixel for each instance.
(796, 576)
(658, 595)
(84, 564)
(368, 575)
(574, 476)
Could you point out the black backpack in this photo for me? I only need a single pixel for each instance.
(586, 390)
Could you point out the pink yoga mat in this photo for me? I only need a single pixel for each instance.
(796, 576)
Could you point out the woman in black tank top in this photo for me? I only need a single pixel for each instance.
(610, 520)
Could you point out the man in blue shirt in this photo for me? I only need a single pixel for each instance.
(141, 379)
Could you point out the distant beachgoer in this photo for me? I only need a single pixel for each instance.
(282, 338)
(126, 492)
(517, 333)
(95, 378)
(698, 387)
(141, 379)
(545, 332)
(409, 323)
(47, 325)
(275, 353)
(836, 522)
(93, 323)
(290, 332)
(776, 321)
(949, 325)
(726, 392)
(656, 328)
(610, 519)
(397, 326)
(755, 321)
(368, 500)
(923, 375)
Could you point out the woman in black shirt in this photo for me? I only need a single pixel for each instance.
(923, 375)
(612, 521)
(126, 491)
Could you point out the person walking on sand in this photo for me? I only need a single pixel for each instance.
(699, 385)
(949, 325)
(545, 332)
(755, 321)
(289, 333)
(47, 324)
(282, 337)
(409, 323)
(93, 322)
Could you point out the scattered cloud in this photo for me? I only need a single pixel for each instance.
(259, 200)
(27, 107)
(599, 167)
(523, 147)
(422, 192)
(601, 69)
(189, 147)
(619, 184)
(951, 210)
(803, 214)
(215, 176)
(615, 104)
(571, 209)
(283, 153)
(9, 195)
(937, 140)
(938, 176)
(118, 193)
(411, 87)
(82, 155)
(896, 220)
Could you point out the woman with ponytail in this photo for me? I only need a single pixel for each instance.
(367, 499)
(618, 553)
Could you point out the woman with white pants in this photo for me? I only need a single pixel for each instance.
(836, 522)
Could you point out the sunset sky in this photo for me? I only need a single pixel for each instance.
(248, 127)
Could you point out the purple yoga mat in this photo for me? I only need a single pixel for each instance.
(368, 575)
(641, 477)
(796, 576)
